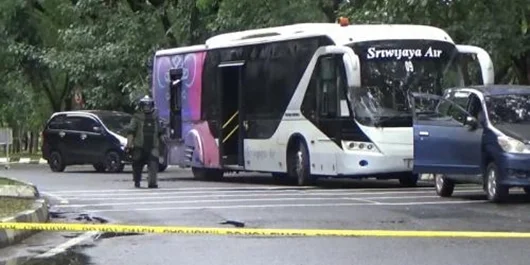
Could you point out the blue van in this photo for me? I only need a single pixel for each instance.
(478, 134)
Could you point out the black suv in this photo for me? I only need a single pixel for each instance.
(94, 137)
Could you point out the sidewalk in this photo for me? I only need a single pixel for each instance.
(37, 214)
(22, 160)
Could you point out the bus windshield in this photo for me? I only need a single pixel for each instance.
(390, 69)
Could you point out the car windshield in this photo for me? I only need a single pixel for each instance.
(508, 109)
(116, 122)
(390, 70)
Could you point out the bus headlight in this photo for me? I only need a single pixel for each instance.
(510, 145)
(359, 146)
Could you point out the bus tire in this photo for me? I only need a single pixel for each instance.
(207, 173)
(409, 179)
(299, 164)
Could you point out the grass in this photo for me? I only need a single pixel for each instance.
(33, 156)
(4, 181)
(12, 206)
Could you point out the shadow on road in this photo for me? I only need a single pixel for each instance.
(321, 183)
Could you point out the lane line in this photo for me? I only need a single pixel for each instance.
(246, 193)
(195, 201)
(68, 244)
(55, 197)
(254, 188)
(276, 206)
(176, 196)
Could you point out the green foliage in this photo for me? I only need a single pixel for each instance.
(105, 47)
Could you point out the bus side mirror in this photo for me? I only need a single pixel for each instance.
(353, 71)
(486, 64)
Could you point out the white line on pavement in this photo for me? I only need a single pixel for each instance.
(209, 193)
(366, 199)
(282, 206)
(193, 201)
(56, 197)
(134, 197)
(68, 244)
(242, 188)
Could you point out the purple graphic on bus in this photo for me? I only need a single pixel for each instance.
(196, 134)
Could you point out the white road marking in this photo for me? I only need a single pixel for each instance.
(68, 244)
(283, 206)
(242, 188)
(95, 196)
(365, 199)
(193, 201)
(175, 195)
(56, 197)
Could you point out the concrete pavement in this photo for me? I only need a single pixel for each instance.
(257, 202)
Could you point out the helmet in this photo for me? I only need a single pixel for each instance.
(147, 104)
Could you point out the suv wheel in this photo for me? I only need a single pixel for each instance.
(113, 162)
(99, 167)
(56, 162)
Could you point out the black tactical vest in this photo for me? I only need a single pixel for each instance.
(149, 131)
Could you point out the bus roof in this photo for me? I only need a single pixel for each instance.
(341, 35)
(179, 50)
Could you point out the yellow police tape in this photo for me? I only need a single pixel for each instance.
(141, 229)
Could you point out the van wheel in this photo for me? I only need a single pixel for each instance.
(444, 186)
(299, 165)
(113, 163)
(207, 173)
(495, 191)
(409, 179)
(56, 162)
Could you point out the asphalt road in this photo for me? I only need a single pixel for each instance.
(258, 203)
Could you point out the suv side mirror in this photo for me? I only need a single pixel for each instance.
(97, 129)
(472, 122)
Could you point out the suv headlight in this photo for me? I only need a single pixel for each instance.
(511, 145)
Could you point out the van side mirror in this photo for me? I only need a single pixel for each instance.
(471, 122)
(98, 129)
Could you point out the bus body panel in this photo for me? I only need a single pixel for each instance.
(198, 147)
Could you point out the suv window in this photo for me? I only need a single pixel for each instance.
(58, 123)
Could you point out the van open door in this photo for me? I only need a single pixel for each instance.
(175, 103)
(447, 139)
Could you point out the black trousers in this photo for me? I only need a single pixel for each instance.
(142, 157)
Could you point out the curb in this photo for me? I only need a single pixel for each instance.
(22, 160)
(39, 213)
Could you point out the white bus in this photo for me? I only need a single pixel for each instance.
(305, 101)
